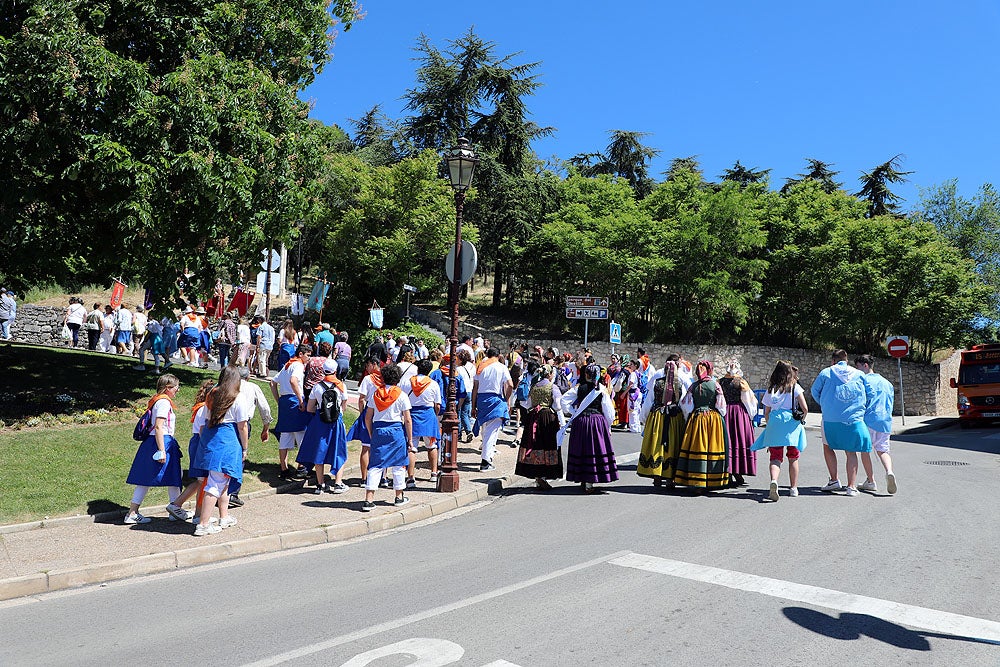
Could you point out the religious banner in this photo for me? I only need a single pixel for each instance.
(318, 295)
(241, 302)
(375, 315)
(297, 306)
(117, 293)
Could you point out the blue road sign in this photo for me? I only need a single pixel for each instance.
(616, 334)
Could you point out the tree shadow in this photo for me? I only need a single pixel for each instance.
(850, 626)
(268, 473)
(971, 440)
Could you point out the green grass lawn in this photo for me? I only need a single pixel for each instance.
(81, 469)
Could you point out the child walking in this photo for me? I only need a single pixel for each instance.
(158, 460)
(783, 435)
(388, 420)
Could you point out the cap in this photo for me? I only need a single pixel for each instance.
(330, 366)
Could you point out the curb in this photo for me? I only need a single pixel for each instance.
(55, 580)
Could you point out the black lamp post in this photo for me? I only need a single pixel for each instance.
(462, 162)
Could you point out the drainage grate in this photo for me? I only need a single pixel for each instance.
(946, 463)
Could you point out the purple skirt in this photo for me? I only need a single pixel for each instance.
(741, 460)
(589, 455)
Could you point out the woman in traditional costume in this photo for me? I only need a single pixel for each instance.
(664, 429)
(539, 455)
(783, 435)
(590, 457)
(741, 403)
(702, 460)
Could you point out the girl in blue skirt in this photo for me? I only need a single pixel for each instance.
(325, 443)
(158, 460)
(783, 435)
(388, 420)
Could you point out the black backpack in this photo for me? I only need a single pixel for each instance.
(329, 404)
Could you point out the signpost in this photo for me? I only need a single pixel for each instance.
(616, 335)
(409, 289)
(899, 347)
(586, 308)
(468, 260)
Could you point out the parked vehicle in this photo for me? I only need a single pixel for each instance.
(978, 385)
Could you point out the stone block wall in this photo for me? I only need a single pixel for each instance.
(42, 325)
(927, 391)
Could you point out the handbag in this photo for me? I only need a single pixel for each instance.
(797, 413)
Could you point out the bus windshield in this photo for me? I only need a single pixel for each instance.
(979, 374)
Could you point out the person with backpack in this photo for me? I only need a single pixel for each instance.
(325, 441)
(157, 461)
(425, 406)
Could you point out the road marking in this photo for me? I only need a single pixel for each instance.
(627, 458)
(918, 617)
(430, 613)
(995, 436)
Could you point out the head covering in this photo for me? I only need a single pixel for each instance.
(669, 371)
(733, 368)
(625, 359)
(708, 366)
(544, 371)
(330, 366)
(200, 311)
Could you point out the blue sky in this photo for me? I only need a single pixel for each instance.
(768, 83)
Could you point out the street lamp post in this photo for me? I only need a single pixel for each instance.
(461, 161)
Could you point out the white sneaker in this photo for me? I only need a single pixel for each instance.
(772, 493)
(849, 491)
(227, 522)
(178, 513)
(832, 485)
(868, 485)
(793, 492)
(890, 483)
(210, 529)
(133, 519)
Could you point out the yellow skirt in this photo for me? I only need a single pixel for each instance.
(701, 461)
(652, 457)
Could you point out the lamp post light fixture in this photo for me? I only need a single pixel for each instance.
(462, 162)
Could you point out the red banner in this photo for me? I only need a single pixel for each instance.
(117, 293)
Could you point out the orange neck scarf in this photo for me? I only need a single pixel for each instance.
(418, 384)
(153, 400)
(332, 379)
(293, 360)
(386, 396)
(194, 410)
(486, 362)
(376, 377)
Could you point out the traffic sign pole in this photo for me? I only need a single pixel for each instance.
(902, 399)
(586, 327)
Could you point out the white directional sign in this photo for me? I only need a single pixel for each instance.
(587, 302)
(275, 282)
(587, 313)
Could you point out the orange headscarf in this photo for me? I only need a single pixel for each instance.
(386, 396)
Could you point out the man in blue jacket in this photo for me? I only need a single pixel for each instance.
(878, 418)
(843, 398)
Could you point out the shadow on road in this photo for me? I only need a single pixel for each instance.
(853, 626)
(980, 439)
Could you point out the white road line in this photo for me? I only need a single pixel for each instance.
(995, 436)
(627, 458)
(430, 613)
(918, 617)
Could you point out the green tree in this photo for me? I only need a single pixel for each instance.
(745, 176)
(140, 138)
(816, 170)
(875, 187)
(625, 156)
(972, 226)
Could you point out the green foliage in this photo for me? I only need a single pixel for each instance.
(875, 187)
(412, 330)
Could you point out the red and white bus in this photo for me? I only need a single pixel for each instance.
(978, 385)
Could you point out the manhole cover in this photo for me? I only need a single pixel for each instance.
(946, 463)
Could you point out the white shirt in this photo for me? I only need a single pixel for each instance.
(431, 395)
(394, 413)
(422, 352)
(200, 418)
(607, 406)
(239, 411)
(464, 346)
(468, 374)
(254, 397)
(139, 321)
(366, 388)
(285, 375)
(316, 394)
(162, 409)
(782, 401)
(123, 319)
(243, 334)
(76, 314)
(409, 370)
(493, 378)
(192, 320)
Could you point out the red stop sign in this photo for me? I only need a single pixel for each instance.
(898, 347)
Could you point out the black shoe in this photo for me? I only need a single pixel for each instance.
(485, 465)
(300, 473)
(235, 501)
(320, 489)
(367, 506)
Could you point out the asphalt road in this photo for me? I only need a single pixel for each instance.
(631, 577)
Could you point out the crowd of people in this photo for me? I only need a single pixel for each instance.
(697, 428)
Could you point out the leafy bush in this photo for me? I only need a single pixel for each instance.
(412, 330)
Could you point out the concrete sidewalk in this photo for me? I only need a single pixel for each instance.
(913, 426)
(63, 553)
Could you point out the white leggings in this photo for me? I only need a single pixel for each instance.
(141, 491)
(398, 478)
(491, 433)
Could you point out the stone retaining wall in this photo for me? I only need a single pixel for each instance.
(927, 391)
